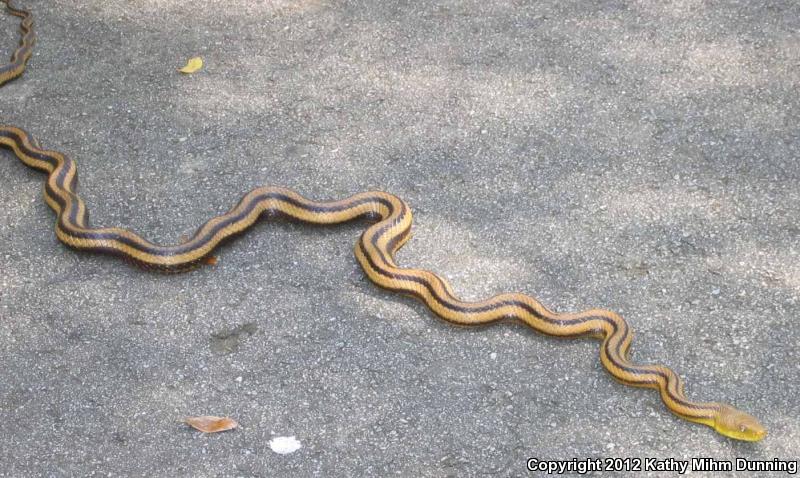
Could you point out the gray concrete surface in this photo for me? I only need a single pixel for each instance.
(640, 156)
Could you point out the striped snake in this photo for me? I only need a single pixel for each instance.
(374, 250)
(23, 52)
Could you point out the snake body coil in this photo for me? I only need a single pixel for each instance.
(374, 251)
(23, 52)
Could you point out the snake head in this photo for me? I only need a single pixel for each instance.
(737, 424)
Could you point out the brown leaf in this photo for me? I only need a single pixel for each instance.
(211, 424)
(210, 260)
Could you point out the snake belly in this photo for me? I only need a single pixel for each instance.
(374, 251)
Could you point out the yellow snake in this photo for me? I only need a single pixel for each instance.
(23, 52)
(374, 250)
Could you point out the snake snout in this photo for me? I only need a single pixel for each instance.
(737, 424)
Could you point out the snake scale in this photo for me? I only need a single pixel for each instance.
(374, 251)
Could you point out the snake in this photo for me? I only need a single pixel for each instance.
(375, 252)
(20, 57)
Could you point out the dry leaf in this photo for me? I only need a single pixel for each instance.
(211, 424)
(192, 65)
(210, 260)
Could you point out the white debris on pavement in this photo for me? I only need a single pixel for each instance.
(285, 445)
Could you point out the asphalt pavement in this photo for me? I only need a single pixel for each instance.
(636, 156)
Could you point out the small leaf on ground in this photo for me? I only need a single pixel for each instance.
(211, 424)
(210, 260)
(192, 65)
